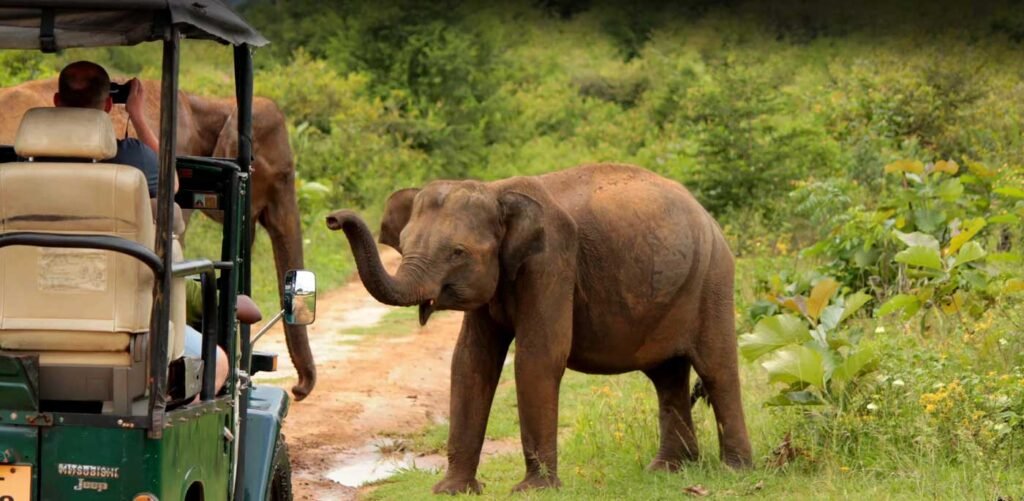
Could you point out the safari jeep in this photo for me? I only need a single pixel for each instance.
(97, 400)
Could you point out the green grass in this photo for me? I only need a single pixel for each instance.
(397, 322)
(608, 432)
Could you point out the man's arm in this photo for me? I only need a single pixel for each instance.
(135, 108)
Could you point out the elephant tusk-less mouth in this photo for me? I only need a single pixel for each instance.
(426, 308)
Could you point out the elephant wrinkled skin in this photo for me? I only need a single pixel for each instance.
(602, 269)
(208, 127)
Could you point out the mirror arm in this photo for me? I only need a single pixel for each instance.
(272, 322)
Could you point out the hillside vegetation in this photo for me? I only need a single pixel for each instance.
(865, 164)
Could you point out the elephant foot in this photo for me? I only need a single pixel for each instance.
(664, 465)
(538, 482)
(454, 486)
(738, 461)
(672, 461)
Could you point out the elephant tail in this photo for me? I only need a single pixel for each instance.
(699, 393)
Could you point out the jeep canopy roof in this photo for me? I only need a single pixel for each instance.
(50, 25)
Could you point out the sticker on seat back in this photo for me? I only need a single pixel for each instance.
(72, 270)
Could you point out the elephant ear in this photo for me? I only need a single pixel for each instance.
(397, 212)
(522, 217)
(227, 140)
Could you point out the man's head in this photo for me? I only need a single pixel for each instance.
(83, 85)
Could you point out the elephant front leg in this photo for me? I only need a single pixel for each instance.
(538, 376)
(476, 367)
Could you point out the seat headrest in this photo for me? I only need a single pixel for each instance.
(66, 133)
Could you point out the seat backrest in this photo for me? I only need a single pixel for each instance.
(62, 299)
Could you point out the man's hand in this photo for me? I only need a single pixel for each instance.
(136, 107)
(136, 104)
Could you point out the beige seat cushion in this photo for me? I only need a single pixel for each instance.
(59, 290)
(87, 359)
(78, 133)
(56, 340)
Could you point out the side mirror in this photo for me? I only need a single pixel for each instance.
(299, 297)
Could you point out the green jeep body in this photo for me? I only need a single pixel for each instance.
(226, 445)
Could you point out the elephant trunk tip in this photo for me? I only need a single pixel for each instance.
(305, 384)
(335, 220)
(333, 223)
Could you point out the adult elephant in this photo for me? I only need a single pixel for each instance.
(602, 269)
(208, 127)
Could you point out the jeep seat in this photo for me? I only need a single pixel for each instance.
(85, 312)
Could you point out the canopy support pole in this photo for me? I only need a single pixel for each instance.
(160, 318)
(243, 101)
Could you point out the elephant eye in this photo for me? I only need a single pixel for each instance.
(458, 252)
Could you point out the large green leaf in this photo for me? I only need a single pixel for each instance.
(1005, 257)
(860, 360)
(830, 317)
(950, 190)
(971, 251)
(853, 303)
(1004, 218)
(929, 220)
(908, 303)
(920, 256)
(796, 364)
(1010, 191)
(787, 398)
(917, 239)
(866, 258)
(773, 333)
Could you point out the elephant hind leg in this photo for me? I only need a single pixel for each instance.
(716, 363)
(678, 442)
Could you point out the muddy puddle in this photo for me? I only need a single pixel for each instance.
(383, 458)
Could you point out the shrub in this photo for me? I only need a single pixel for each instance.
(811, 350)
(925, 245)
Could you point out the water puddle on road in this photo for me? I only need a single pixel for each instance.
(377, 461)
(383, 458)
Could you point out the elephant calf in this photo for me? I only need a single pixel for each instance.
(602, 269)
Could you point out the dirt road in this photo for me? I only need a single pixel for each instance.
(369, 386)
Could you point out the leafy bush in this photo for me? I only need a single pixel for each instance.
(21, 66)
(812, 350)
(925, 244)
(747, 149)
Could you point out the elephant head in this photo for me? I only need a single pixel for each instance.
(458, 240)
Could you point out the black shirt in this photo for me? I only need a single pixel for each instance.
(131, 151)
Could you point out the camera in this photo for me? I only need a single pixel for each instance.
(119, 92)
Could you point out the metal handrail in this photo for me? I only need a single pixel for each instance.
(100, 242)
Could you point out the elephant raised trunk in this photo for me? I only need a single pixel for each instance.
(399, 290)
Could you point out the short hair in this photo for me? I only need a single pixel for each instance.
(83, 84)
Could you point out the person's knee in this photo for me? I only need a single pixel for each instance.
(223, 368)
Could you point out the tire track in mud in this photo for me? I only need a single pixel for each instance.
(368, 386)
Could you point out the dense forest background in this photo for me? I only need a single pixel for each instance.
(863, 158)
(778, 117)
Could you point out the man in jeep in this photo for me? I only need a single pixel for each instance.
(84, 84)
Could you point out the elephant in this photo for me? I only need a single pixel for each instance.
(603, 269)
(208, 127)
